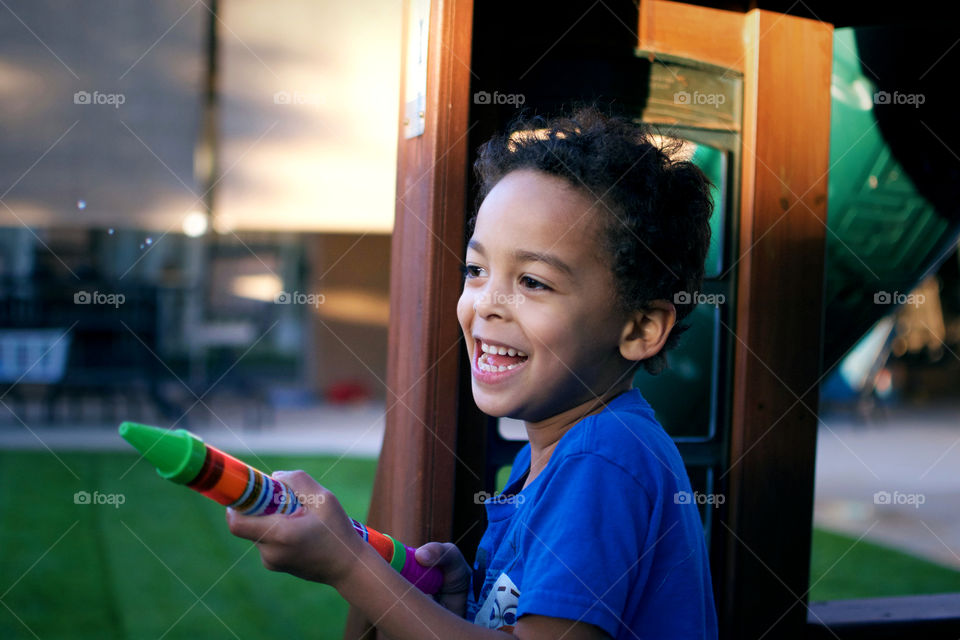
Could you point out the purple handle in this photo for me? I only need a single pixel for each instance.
(427, 579)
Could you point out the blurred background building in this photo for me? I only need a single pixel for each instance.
(197, 202)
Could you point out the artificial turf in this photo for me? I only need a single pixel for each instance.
(842, 568)
(162, 564)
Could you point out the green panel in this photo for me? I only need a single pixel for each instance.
(713, 162)
(689, 376)
(882, 235)
(682, 394)
(878, 222)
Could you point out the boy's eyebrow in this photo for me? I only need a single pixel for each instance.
(524, 255)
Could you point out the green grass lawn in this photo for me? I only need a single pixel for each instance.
(163, 564)
(867, 570)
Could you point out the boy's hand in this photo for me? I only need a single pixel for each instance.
(317, 542)
(456, 574)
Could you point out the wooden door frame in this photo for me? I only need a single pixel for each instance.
(413, 490)
(762, 579)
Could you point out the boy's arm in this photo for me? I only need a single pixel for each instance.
(318, 543)
(399, 609)
(403, 612)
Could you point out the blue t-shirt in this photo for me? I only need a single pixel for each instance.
(600, 536)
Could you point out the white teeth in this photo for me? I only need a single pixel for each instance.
(486, 349)
(483, 365)
(503, 351)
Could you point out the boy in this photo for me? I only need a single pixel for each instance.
(584, 234)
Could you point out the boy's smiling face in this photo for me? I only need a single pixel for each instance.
(539, 287)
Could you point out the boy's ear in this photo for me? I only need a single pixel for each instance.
(646, 331)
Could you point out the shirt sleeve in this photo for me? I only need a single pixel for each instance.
(583, 544)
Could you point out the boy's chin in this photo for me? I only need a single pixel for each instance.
(493, 410)
(495, 407)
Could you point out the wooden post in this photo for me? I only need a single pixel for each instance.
(762, 570)
(786, 135)
(413, 491)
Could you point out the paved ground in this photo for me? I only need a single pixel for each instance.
(352, 430)
(895, 478)
(913, 456)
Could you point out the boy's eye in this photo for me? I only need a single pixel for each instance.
(471, 271)
(532, 283)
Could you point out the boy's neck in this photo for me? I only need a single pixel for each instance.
(545, 435)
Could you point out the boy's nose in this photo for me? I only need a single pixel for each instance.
(490, 304)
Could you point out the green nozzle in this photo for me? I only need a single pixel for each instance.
(178, 455)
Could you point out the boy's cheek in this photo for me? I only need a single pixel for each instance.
(464, 313)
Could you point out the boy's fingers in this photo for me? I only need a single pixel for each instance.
(243, 526)
(430, 554)
(456, 573)
(257, 528)
(250, 527)
(300, 482)
(445, 555)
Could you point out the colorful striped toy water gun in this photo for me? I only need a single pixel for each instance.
(182, 457)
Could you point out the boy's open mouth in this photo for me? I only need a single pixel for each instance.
(498, 357)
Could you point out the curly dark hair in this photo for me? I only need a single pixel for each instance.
(657, 230)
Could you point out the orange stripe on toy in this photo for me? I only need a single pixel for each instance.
(381, 543)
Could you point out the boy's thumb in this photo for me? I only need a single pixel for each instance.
(427, 554)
